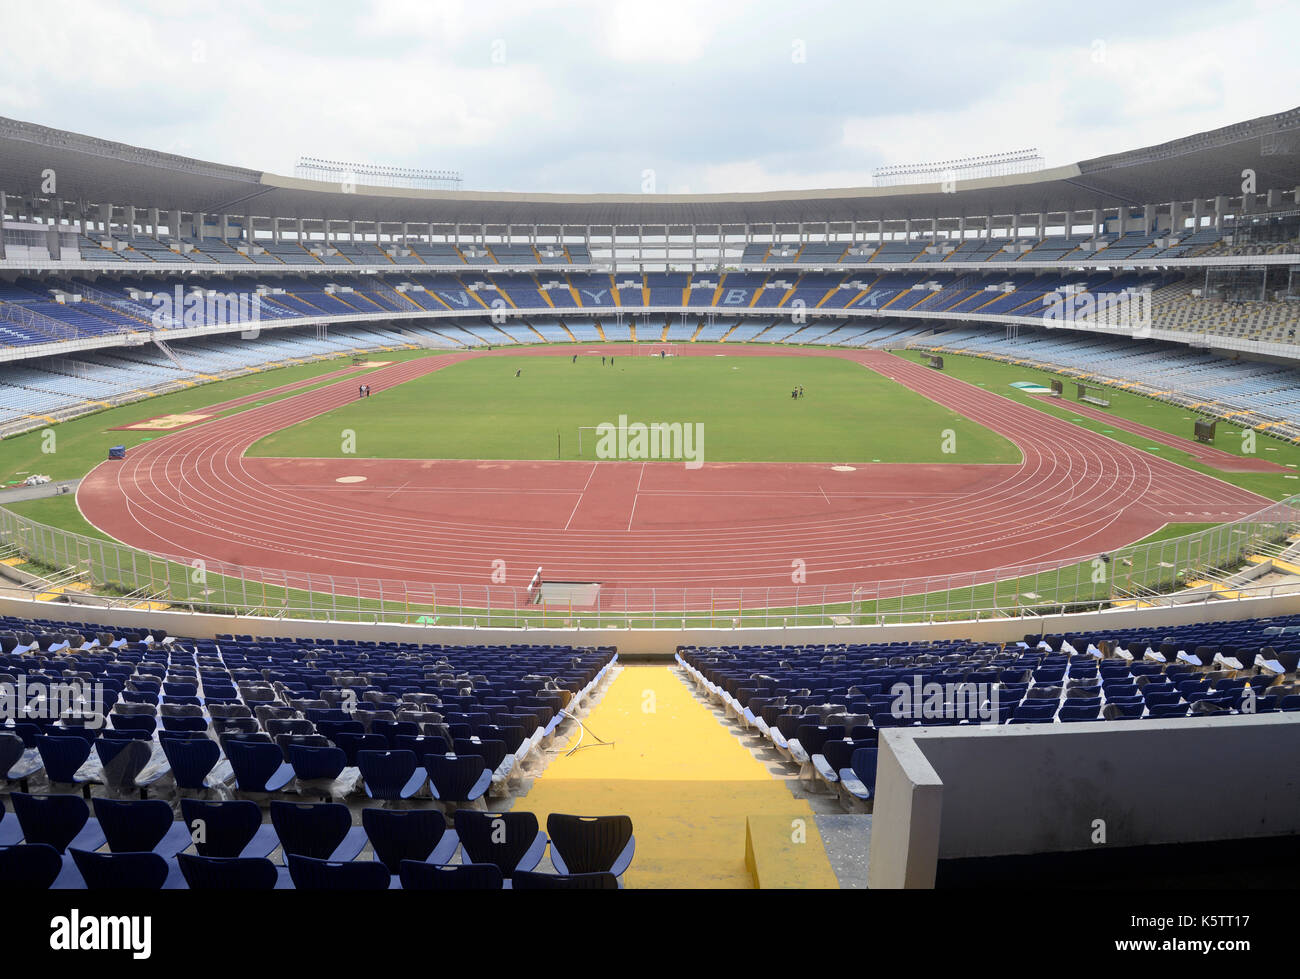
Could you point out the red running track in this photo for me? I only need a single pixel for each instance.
(631, 525)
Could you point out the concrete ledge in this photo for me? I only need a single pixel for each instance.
(955, 793)
(658, 643)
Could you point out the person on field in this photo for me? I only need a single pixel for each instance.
(602, 361)
(361, 390)
(518, 372)
(575, 358)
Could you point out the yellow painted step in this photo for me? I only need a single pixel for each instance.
(685, 780)
(784, 850)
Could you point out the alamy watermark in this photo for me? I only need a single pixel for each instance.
(923, 700)
(206, 307)
(77, 700)
(1128, 311)
(655, 440)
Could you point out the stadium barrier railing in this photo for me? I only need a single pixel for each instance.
(1210, 565)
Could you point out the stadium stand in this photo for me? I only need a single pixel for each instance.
(283, 722)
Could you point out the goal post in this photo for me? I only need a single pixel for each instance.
(587, 435)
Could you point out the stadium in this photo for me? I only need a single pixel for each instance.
(399, 536)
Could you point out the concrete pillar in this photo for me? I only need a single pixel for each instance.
(106, 216)
(4, 205)
(1220, 209)
(1148, 219)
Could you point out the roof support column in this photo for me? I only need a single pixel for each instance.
(1220, 208)
(4, 204)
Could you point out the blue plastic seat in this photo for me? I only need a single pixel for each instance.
(600, 881)
(228, 873)
(31, 866)
(1087, 711)
(313, 763)
(323, 830)
(457, 778)
(590, 844)
(510, 840)
(191, 760)
(353, 744)
(258, 766)
(859, 779)
(421, 876)
(492, 752)
(141, 825)
(121, 871)
(143, 723)
(310, 874)
(409, 834)
(391, 774)
(58, 820)
(63, 756)
(13, 767)
(229, 828)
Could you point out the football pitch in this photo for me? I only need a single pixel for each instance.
(534, 407)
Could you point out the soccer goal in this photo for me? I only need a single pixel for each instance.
(590, 435)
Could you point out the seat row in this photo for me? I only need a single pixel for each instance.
(54, 841)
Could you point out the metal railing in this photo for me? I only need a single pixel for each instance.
(1198, 567)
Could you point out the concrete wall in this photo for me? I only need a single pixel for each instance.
(648, 641)
(199, 625)
(992, 791)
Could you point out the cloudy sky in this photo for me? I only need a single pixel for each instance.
(546, 95)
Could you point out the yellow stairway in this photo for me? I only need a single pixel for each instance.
(689, 786)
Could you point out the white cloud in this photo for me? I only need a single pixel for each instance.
(588, 93)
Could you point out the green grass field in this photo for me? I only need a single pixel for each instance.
(82, 443)
(478, 409)
(843, 401)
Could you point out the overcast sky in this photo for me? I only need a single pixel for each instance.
(587, 96)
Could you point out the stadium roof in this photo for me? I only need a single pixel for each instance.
(1201, 166)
